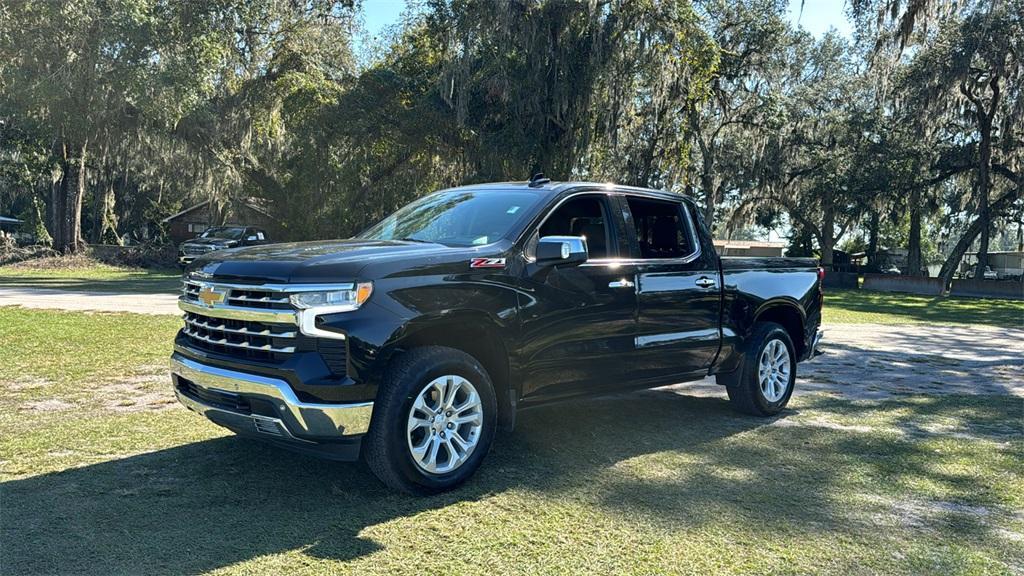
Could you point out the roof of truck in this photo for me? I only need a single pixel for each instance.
(558, 187)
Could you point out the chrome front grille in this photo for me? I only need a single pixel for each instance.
(256, 323)
(241, 334)
(249, 322)
(241, 296)
(195, 250)
(258, 299)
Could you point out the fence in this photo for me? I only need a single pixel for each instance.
(844, 280)
(988, 289)
(909, 284)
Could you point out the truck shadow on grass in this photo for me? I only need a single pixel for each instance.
(654, 456)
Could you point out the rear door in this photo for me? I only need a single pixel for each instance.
(678, 332)
(579, 322)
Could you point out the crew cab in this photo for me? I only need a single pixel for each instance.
(219, 238)
(414, 343)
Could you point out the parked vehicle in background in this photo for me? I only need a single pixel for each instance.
(413, 343)
(218, 238)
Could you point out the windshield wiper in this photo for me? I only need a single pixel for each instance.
(420, 240)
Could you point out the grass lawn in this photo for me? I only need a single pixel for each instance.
(866, 306)
(103, 474)
(93, 277)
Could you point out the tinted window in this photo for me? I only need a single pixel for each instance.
(456, 218)
(581, 216)
(660, 228)
(226, 233)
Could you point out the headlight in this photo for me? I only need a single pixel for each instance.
(351, 299)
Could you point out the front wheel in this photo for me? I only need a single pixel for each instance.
(433, 421)
(764, 383)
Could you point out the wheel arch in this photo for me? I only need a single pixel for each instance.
(476, 334)
(787, 314)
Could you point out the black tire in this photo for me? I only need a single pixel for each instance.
(743, 385)
(386, 448)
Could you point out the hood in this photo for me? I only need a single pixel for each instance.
(209, 242)
(319, 262)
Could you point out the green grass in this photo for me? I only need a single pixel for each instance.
(648, 483)
(97, 277)
(865, 306)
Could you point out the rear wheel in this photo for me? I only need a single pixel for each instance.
(764, 382)
(433, 421)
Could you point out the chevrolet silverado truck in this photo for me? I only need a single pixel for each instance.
(219, 238)
(414, 343)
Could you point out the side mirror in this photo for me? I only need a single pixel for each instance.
(561, 250)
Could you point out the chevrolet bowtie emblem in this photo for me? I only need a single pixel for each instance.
(210, 296)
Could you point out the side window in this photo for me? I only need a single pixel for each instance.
(260, 235)
(581, 216)
(661, 229)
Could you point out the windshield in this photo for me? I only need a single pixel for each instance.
(225, 233)
(455, 218)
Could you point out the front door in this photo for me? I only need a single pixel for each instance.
(579, 322)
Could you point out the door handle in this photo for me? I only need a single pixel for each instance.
(620, 284)
(705, 282)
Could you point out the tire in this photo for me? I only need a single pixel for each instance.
(414, 379)
(744, 386)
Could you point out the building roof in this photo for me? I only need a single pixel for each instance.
(250, 204)
(185, 211)
(748, 244)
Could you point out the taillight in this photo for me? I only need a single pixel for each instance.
(821, 279)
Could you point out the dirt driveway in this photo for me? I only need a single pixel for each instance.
(82, 300)
(879, 361)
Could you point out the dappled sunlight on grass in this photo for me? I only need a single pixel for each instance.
(865, 306)
(651, 482)
(631, 484)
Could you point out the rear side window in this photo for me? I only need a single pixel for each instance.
(662, 230)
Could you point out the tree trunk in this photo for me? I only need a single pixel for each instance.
(954, 258)
(828, 230)
(99, 198)
(872, 251)
(71, 209)
(707, 182)
(984, 172)
(914, 242)
(56, 210)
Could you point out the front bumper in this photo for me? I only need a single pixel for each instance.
(271, 409)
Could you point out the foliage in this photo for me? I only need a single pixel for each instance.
(116, 115)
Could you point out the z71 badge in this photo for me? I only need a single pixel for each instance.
(487, 263)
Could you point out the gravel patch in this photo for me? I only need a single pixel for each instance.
(881, 361)
(95, 301)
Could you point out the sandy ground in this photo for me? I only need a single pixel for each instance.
(901, 358)
(878, 361)
(98, 301)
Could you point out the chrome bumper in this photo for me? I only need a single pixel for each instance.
(296, 422)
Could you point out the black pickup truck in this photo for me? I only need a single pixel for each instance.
(219, 238)
(415, 342)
